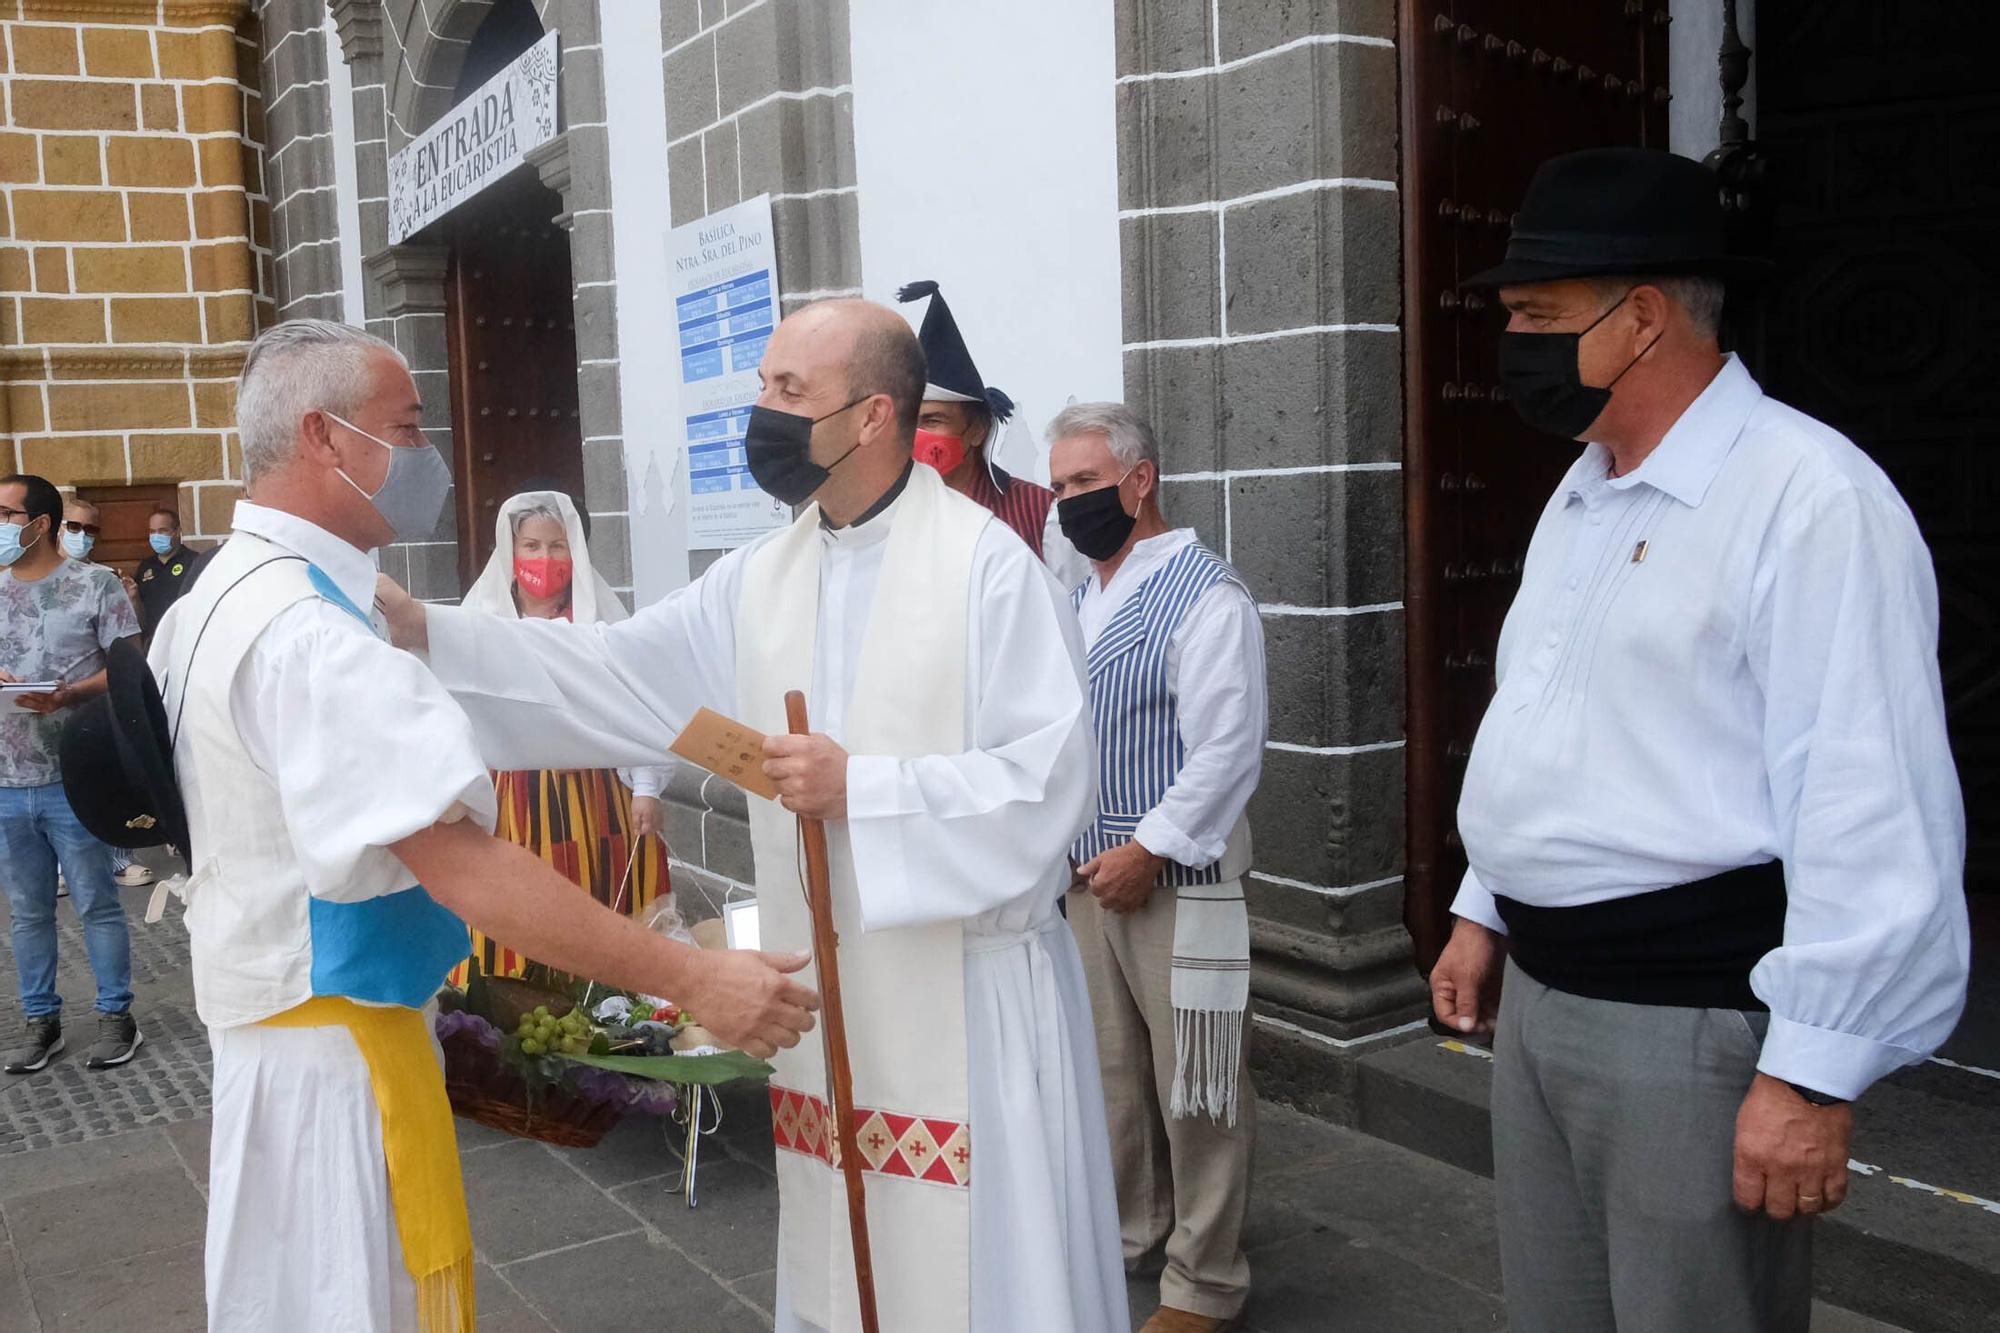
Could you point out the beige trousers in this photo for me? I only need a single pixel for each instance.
(1183, 1184)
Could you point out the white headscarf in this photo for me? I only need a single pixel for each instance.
(591, 599)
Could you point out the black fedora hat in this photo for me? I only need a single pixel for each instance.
(1610, 211)
(117, 759)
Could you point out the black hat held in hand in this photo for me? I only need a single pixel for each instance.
(117, 759)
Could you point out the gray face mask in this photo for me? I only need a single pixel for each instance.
(412, 495)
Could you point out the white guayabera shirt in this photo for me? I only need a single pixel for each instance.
(1724, 657)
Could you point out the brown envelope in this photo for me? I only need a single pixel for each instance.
(727, 749)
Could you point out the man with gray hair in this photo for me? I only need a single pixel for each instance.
(1175, 657)
(1715, 833)
(339, 823)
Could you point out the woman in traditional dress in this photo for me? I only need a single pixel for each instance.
(599, 827)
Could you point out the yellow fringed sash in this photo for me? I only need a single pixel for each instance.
(420, 1145)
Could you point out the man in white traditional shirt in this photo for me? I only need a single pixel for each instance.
(338, 828)
(1175, 657)
(952, 764)
(1714, 829)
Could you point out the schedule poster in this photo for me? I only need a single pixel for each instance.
(725, 288)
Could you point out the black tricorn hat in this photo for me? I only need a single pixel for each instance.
(118, 762)
(949, 372)
(1608, 211)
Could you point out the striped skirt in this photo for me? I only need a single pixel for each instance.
(579, 821)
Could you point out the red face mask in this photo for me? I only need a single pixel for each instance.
(542, 576)
(943, 452)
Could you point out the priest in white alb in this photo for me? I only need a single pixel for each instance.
(953, 763)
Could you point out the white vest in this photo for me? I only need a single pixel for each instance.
(261, 943)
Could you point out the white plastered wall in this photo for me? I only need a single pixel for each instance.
(1003, 187)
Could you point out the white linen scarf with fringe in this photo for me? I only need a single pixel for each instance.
(1210, 988)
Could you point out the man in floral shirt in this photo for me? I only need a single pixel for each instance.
(57, 619)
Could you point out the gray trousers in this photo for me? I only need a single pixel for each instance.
(1614, 1131)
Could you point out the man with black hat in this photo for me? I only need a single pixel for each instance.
(58, 617)
(956, 434)
(1714, 829)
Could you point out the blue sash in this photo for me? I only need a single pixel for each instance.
(393, 949)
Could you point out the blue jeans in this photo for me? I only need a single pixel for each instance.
(38, 830)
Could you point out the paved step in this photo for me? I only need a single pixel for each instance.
(1917, 1243)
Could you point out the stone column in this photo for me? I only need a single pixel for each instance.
(1260, 239)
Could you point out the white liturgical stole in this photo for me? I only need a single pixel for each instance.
(904, 988)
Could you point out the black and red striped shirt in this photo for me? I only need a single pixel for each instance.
(1021, 505)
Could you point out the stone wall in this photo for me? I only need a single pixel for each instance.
(759, 101)
(305, 226)
(140, 264)
(1260, 239)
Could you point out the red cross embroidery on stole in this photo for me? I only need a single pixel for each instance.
(916, 1147)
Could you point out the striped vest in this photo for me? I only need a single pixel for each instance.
(1133, 707)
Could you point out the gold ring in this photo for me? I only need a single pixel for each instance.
(1809, 1198)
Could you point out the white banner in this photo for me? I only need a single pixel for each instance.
(475, 143)
(724, 282)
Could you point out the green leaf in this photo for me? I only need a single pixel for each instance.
(687, 1070)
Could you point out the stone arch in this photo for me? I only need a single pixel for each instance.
(429, 51)
(426, 44)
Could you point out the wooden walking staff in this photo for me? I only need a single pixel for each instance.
(833, 1024)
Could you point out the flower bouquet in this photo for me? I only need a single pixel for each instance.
(561, 1060)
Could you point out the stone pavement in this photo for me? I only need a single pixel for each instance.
(103, 1182)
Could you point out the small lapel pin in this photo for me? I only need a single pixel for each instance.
(1639, 554)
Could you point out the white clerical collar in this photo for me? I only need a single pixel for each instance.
(874, 526)
(350, 569)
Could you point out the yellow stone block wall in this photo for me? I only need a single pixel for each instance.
(135, 254)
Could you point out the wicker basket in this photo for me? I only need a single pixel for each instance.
(485, 1088)
(556, 1117)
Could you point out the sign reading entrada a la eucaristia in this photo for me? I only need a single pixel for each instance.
(475, 143)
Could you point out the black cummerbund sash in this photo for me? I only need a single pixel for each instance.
(1690, 946)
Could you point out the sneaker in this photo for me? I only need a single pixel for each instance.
(118, 1040)
(134, 876)
(41, 1042)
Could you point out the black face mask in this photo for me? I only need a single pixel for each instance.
(777, 446)
(1539, 372)
(1095, 521)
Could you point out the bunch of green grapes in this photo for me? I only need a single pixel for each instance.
(541, 1033)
